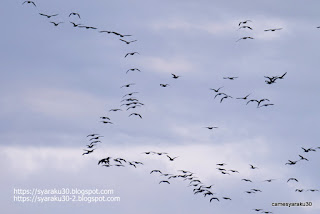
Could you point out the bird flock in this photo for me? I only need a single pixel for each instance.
(131, 104)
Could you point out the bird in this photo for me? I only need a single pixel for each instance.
(88, 151)
(95, 138)
(105, 118)
(116, 109)
(127, 85)
(244, 98)
(273, 29)
(90, 146)
(221, 164)
(214, 198)
(247, 180)
(291, 162)
(244, 22)
(299, 190)
(253, 167)
(312, 190)
(106, 122)
(226, 198)
(164, 182)
(303, 158)
(267, 104)
(75, 14)
(281, 77)
(155, 170)
(230, 78)
(211, 127)
(56, 23)
(127, 42)
(269, 180)
(231, 170)
(257, 210)
(246, 37)
(245, 26)
(132, 53)
(170, 158)
(225, 97)
(136, 115)
(92, 135)
(308, 150)
(216, 90)
(249, 192)
(292, 179)
(29, 2)
(87, 27)
(130, 94)
(119, 34)
(164, 85)
(133, 69)
(174, 76)
(256, 190)
(48, 16)
(75, 25)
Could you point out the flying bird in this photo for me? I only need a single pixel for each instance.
(171, 159)
(253, 167)
(246, 37)
(48, 16)
(127, 42)
(164, 85)
(130, 94)
(214, 198)
(216, 90)
(87, 27)
(164, 182)
(292, 179)
(244, 22)
(211, 127)
(75, 14)
(133, 69)
(115, 109)
(175, 76)
(136, 114)
(273, 29)
(132, 53)
(127, 85)
(56, 23)
(29, 2)
(303, 158)
(245, 26)
(230, 78)
(75, 25)
(244, 98)
(106, 122)
(88, 151)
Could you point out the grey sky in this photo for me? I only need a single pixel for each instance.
(57, 81)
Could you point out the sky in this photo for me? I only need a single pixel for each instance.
(57, 81)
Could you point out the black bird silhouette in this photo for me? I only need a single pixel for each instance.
(87, 27)
(88, 151)
(225, 97)
(216, 90)
(291, 162)
(247, 180)
(303, 158)
(221, 164)
(136, 114)
(244, 22)
(231, 170)
(90, 146)
(246, 37)
(211, 127)
(245, 26)
(253, 167)
(230, 78)
(299, 190)
(132, 53)
(106, 122)
(308, 150)
(312, 190)
(257, 210)
(29, 2)
(119, 34)
(281, 77)
(244, 98)
(130, 94)
(164, 182)
(115, 109)
(56, 23)
(155, 170)
(214, 198)
(127, 85)
(249, 192)
(267, 104)
(164, 85)
(269, 180)
(292, 179)
(273, 29)
(75, 25)
(92, 135)
(171, 159)
(133, 69)
(175, 76)
(105, 118)
(256, 190)
(226, 198)
(48, 16)
(95, 138)
(127, 42)
(75, 14)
